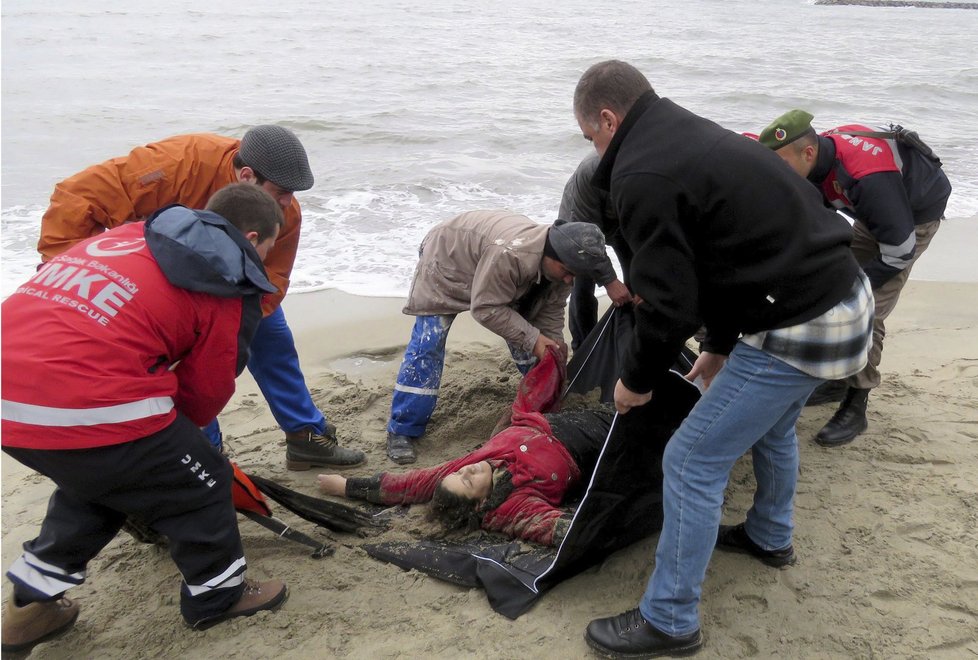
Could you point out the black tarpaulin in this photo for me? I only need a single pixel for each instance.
(622, 503)
(597, 362)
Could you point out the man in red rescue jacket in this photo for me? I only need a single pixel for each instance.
(132, 340)
(896, 191)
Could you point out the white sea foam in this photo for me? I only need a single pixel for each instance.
(413, 112)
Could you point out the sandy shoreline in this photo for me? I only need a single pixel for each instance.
(887, 528)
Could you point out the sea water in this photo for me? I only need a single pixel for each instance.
(412, 112)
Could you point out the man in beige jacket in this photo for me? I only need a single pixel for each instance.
(513, 274)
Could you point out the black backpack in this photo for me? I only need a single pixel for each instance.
(902, 136)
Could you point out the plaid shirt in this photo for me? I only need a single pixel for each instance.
(831, 346)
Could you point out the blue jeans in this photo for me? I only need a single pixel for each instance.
(274, 363)
(419, 378)
(753, 403)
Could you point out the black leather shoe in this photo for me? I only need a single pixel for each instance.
(400, 448)
(629, 635)
(847, 422)
(733, 538)
(828, 392)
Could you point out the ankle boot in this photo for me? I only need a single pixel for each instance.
(27, 626)
(306, 449)
(257, 596)
(847, 422)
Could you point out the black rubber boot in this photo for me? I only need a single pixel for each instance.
(847, 422)
(828, 392)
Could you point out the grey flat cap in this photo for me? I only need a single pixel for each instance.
(276, 153)
(580, 247)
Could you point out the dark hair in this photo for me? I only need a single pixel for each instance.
(248, 207)
(452, 510)
(612, 84)
(806, 139)
(238, 163)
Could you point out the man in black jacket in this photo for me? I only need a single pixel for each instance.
(582, 202)
(723, 235)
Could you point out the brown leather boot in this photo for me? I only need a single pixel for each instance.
(307, 449)
(27, 626)
(257, 596)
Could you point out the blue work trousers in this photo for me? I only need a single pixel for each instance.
(419, 378)
(274, 364)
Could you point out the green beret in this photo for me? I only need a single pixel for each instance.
(786, 129)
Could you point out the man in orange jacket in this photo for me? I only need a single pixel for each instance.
(188, 169)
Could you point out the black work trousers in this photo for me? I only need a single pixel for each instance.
(172, 480)
(582, 313)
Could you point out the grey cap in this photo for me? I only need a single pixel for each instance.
(580, 247)
(276, 153)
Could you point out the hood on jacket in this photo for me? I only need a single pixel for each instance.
(201, 251)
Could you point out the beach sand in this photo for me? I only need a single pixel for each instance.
(886, 528)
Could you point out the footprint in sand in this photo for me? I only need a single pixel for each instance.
(749, 646)
(753, 600)
(962, 372)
